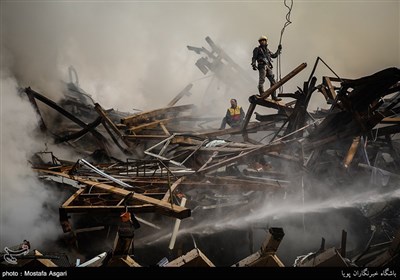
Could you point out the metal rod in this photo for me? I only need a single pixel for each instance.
(101, 173)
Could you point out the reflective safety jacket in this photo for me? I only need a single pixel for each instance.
(235, 113)
(234, 116)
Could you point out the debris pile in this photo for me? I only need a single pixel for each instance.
(164, 163)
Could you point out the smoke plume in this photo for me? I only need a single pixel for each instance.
(26, 205)
(133, 54)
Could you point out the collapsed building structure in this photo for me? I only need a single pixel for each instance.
(163, 166)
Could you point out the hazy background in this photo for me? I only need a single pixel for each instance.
(133, 55)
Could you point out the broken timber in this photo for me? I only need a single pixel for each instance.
(146, 116)
(149, 204)
(263, 149)
(185, 91)
(269, 91)
(266, 256)
(52, 104)
(194, 258)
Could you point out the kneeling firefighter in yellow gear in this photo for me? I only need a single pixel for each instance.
(234, 115)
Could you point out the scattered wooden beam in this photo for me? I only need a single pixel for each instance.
(231, 160)
(146, 116)
(45, 262)
(352, 151)
(80, 133)
(172, 188)
(124, 261)
(105, 117)
(66, 114)
(161, 207)
(266, 256)
(185, 91)
(269, 91)
(281, 82)
(194, 258)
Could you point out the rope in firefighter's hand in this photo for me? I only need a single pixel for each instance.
(278, 68)
(287, 18)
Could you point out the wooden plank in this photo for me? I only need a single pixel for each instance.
(331, 93)
(164, 158)
(165, 129)
(72, 197)
(143, 208)
(208, 161)
(161, 206)
(79, 133)
(260, 150)
(247, 184)
(178, 97)
(322, 90)
(265, 256)
(252, 127)
(66, 114)
(268, 92)
(136, 129)
(247, 118)
(150, 125)
(259, 260)
(130, 262)
(172, 188)
(271, 118)
(391, 120)
(351, 152)
(187, 140)
(154, 124)
(115, 140)
(104, 115)
(145, 116)
(222, 149)
(45, 262)
(281, 82)
(194, 258)
(145, 137)
(95, 194)
(125, 261)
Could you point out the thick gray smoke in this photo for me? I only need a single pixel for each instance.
(23, 213)
(133, 55)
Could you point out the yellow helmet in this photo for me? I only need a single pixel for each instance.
(263, 38)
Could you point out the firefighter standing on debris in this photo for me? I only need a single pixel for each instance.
(126, 232)
(263, 56)
(234, 115)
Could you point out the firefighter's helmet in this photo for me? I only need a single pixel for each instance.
(125, 217)
(263, 38)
